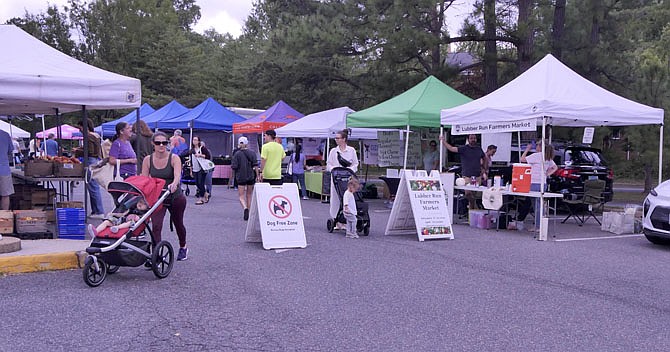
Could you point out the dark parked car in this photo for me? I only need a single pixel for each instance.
(577, 164)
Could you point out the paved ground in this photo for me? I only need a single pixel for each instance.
(485, 290)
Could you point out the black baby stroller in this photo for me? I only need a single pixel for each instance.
(340, 177)
(112, 248)
(186, 177)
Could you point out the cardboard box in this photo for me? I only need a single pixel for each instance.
(38, 168)
(68, 170)
(72, 204)
(6, 222)
(618, 222)
(31, 221)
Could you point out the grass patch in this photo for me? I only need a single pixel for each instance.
(629, 197)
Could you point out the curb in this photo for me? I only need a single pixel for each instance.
(40, 262)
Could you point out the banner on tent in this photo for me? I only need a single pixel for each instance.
(275, 217)
(420, 207)
(494, 127)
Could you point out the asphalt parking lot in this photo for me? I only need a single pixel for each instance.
(583, 290)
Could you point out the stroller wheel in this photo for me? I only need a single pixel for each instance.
(94, 274)
(330, 225)
(162, 259)
(111, 269)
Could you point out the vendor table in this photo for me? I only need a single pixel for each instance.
(314, 182)
(534, 194)
(222, 171)
(392, 183)
(65, 184)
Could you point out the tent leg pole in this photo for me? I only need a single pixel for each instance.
(44, 136)
(660, 157)
(404, 163)
(543, 230)
(441, 147)
(11, 135)
(136, 128)
(84, 125)
(518, 140)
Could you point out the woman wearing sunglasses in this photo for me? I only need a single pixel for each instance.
(167, 166)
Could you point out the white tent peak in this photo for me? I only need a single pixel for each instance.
(551, 89)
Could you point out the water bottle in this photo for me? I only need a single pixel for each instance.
(473, 181)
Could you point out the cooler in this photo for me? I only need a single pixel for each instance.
(521, 178)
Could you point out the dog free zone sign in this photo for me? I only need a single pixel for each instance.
(275, 217)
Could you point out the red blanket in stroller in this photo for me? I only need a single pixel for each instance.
(147, 188)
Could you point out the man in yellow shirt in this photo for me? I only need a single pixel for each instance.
(272, 155)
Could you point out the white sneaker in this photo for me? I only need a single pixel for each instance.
(305, 198)
(97, 216)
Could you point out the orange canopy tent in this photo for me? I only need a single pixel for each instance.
(276, 116)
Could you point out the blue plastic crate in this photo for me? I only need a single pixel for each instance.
(76, 229)
(72, 237)
(70, 216)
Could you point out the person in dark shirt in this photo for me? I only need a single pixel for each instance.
(245, 165)
(472, 161)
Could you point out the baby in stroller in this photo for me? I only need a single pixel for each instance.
(341, 179)
(129, 211)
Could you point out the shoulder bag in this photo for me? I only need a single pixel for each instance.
(104, 172)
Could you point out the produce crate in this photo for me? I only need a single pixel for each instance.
(68, 170)
(42, 196)
(31, 221)
(71, 223)
(38, 168)
(6, 222)
(71, 204)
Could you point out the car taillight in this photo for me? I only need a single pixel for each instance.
(567, 173)
(610, 174)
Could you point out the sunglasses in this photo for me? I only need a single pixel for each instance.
(161, 143)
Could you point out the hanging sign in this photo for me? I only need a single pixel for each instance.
(588, 135)
(389, 152)
(275, 217)
(494, 127)
(420, 207)
(370, 152)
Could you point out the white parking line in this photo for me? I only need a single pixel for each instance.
(599, 238)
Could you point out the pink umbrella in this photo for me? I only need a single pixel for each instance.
(66, 132)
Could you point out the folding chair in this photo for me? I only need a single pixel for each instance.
(583, 209)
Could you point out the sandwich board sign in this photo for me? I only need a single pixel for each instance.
(275, 217)
(420, 207)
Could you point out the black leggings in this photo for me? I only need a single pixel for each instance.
(176, 209)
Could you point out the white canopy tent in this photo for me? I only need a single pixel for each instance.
(324, 124)
(36, 78)
(556, 96)
(13, 130)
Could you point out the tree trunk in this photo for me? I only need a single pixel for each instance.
(557, 29)
(647, 178)
(526, 35)
(490, 47)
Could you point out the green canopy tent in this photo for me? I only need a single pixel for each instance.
(419, 106)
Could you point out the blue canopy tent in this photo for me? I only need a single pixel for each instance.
(108, 129)
(210, 118)
(170, 110)
(208, 115)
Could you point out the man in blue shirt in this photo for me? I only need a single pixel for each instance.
(6, 186)
(51, 145)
